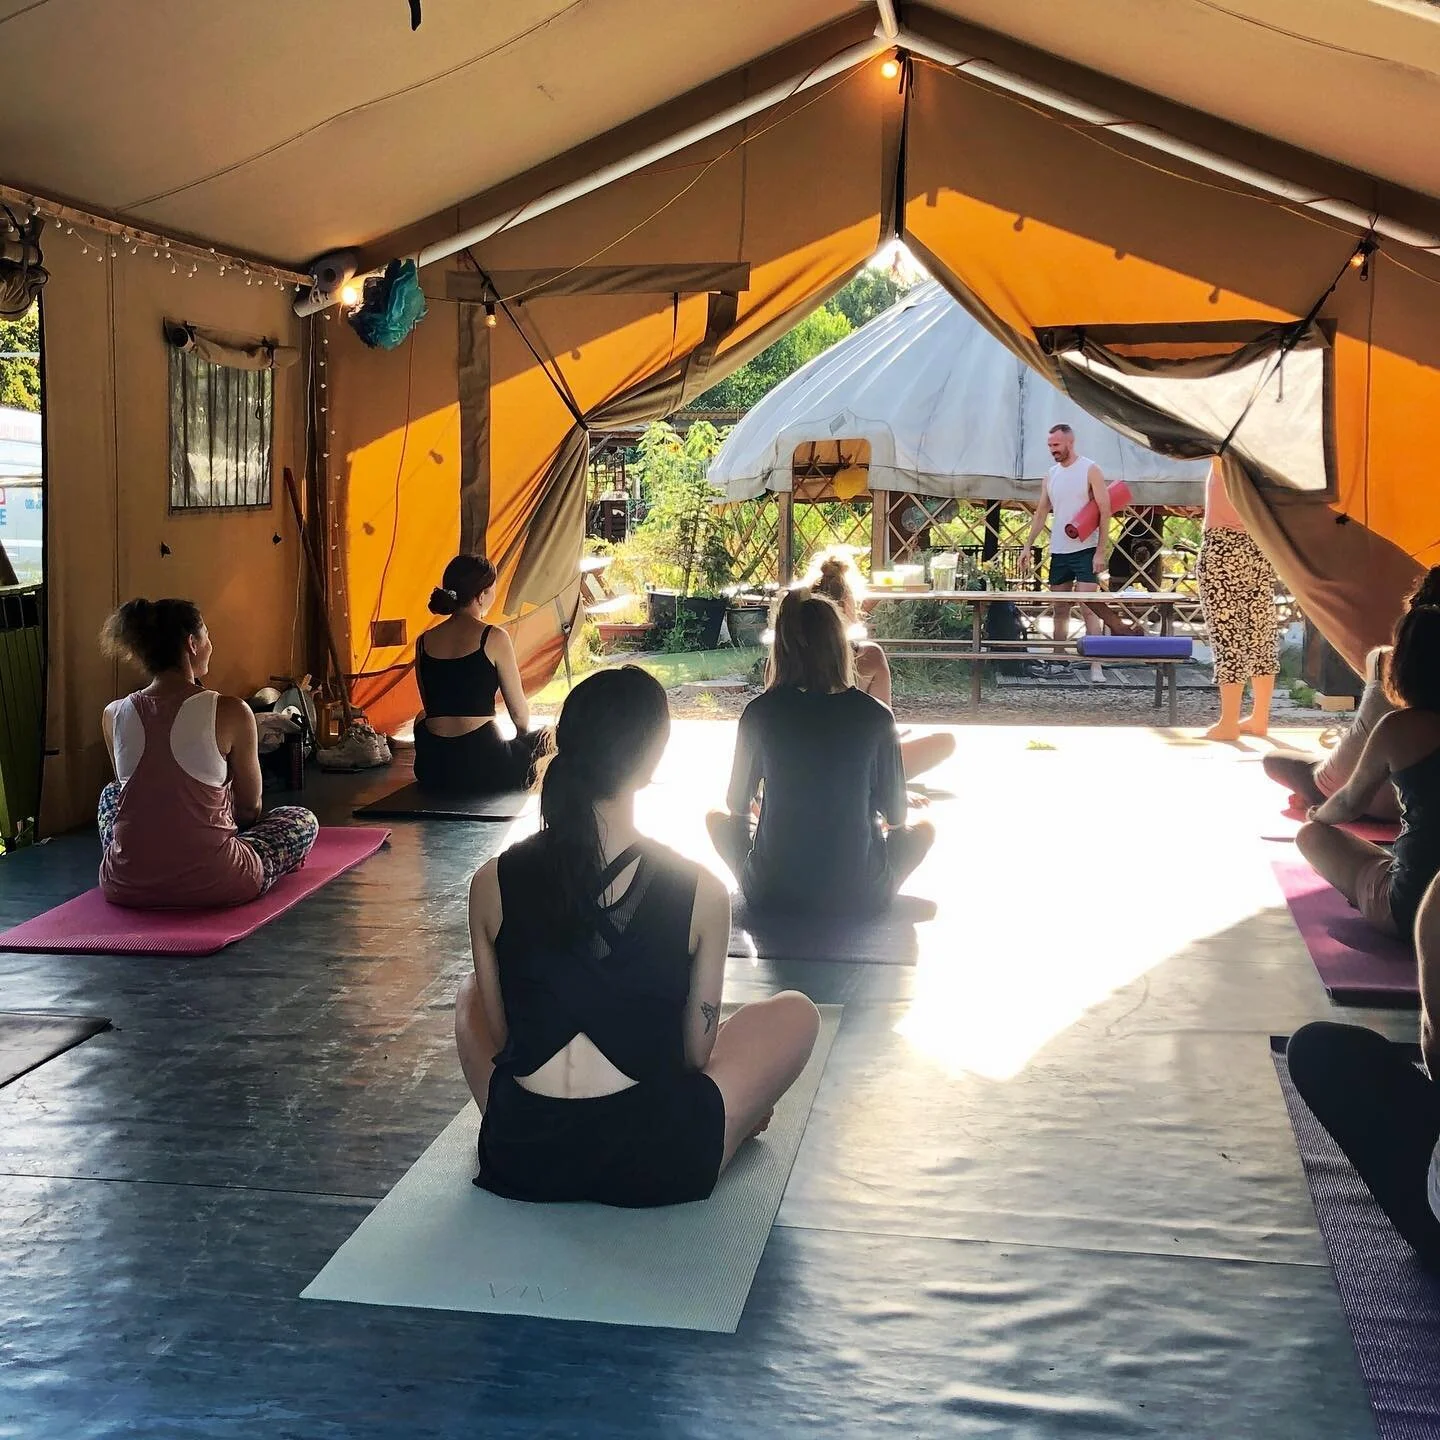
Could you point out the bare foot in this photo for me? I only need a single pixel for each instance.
(1223, 732)
(1259, 728)
(764, 1124)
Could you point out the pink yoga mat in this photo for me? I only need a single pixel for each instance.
(1378, 832)
(91, 924)
(1356, 963)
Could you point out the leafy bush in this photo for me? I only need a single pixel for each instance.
(924, 620)
(680, 545)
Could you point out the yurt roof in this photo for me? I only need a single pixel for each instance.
(942, 408)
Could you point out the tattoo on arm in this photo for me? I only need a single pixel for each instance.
(711, 1014)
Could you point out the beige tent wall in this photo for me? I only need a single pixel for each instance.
(753, 195)
(107, 463)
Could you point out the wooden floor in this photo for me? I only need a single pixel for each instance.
(1048, 1187)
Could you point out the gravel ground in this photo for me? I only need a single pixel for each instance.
(1126, 698)
(1080, 704)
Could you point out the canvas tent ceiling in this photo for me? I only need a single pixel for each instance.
(944, 408)
(289, 129)
(1100, 261)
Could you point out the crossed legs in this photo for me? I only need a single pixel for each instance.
(759, 1053)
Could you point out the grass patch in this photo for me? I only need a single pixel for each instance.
(669, 670)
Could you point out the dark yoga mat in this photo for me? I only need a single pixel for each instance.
(889, 939)
(1391, 1304)
(413, 803)
(28, 1040)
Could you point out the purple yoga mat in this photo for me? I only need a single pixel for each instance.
(90, 924)
(1357, 964)
(1391, 1305)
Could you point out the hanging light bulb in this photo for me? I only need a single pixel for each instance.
(350, 294)
(490, 313)
(891, 68)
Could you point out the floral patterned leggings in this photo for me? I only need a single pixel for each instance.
(282, 839)
(1237, 594)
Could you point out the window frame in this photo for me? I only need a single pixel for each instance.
(183, 361)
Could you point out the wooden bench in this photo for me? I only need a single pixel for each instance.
(977, 650)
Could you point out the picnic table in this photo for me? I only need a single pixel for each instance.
(1123, 609)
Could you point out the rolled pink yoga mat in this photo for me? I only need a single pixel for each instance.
(90, 924)
(1089, 514)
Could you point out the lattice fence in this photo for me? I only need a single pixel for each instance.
(1150, 549)
(751, 532)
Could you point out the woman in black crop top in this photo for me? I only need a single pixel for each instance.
(590, 1032)
(461, 665)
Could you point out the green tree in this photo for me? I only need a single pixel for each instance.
(815, 334)
(20, 376)
(869, 294)
(680, 545)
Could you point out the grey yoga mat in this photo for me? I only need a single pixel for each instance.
(410, 802)
(28, 1040)
(438, 1243)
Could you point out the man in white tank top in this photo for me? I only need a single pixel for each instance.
(1076, 562)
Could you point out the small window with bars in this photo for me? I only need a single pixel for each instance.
(222, 422)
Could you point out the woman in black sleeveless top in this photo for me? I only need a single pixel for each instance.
(461, 665)
(1404, 750)
(589, 1033)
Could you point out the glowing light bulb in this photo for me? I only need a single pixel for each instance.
(890, 69)
(350, 295)
(490, 313)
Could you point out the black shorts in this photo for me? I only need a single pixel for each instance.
(482, 762)
(1075, 565)
(657, 1143)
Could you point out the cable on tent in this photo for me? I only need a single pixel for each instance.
(739, 145)
(555, 376)
(1297, 331)
(331, 120)
(395, 520)
(1312, 39)
(1094, 133)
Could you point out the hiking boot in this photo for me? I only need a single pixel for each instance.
(360, 749)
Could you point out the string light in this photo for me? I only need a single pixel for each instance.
(108, 241)
(490, 314)
(890, 69)
(350, 295)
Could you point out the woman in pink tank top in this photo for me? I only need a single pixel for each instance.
(180, 825)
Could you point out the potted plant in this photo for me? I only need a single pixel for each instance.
(747, 619)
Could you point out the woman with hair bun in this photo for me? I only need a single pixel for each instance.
(461, 665)
(1403, 749)
(823, 757)
(833, 575)
(590, 1031)
(180, 825)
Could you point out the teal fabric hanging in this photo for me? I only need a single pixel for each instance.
(393, 305)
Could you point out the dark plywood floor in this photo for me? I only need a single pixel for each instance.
(1047, 1189)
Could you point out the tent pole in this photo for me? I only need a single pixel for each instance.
(1155, 139)
(311, 303)
(889, 20)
